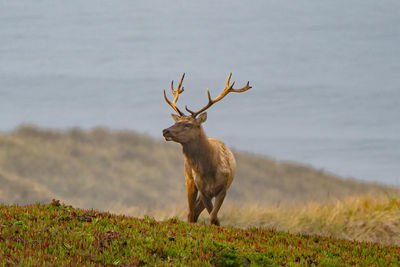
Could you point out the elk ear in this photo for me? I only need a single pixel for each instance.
(175, 117)
(202, 117)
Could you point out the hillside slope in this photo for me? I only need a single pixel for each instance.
(61, 235)
(110, 170)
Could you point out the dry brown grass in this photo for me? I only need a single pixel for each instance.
(373, 218)
(104, 169)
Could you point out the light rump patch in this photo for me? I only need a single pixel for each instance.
(209, 165)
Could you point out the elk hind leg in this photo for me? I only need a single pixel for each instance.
(219, 199)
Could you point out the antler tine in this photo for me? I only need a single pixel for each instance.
(179, 85)
(228, 88)
(228, 81)
(194, 114)
(176, 96)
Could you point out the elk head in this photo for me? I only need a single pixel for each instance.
(188, 128)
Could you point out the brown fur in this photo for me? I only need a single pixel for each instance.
(209, 166)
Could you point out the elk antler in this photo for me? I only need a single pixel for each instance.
(176, 95)
(228, 89)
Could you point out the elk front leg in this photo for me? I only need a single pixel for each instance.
(219, 199)
(207, 203)
(191, 190)
(198, 208)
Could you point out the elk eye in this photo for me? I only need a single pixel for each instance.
(187, 125)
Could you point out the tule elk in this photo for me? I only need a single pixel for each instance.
(209, 164)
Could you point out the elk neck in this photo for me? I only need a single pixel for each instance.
(201, 155)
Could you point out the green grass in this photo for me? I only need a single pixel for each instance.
(61, 235)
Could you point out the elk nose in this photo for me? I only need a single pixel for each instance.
(165, 132)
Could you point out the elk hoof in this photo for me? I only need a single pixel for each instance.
(191, 218)
(215, 221)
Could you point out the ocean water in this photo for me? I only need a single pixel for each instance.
(325, 74)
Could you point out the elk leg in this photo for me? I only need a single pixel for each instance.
(198, 208)
(219, 199)
(191, 195)
(206, 202)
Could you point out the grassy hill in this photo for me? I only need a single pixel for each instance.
(132, 174)
(37, 235)
(112, 170)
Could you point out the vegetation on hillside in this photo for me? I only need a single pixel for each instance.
(65, 236)
(372, 218)
(132, 174)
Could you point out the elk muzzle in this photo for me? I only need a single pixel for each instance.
(167, 135)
